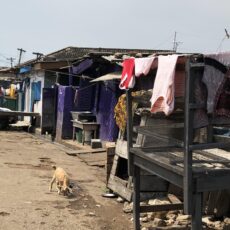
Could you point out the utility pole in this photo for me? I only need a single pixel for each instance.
(39, 55)
(20, 55)
(11, 61)
(175, 43)
(227, 34)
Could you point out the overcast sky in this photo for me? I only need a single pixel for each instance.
(49, 25)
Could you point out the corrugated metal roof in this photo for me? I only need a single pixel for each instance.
(76, 52)
(108, 77)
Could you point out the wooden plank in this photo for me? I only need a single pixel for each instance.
(209, 146)
(153, 183)
(98, 159)
(213, 183)
(158, 126)
(18, 113)
(117, 185)
(221, 138)
(83, 151)
(114, 167)
(141, 137)
(202, 161)
(165, 139)
(122, 182)
(121, 148)
(218, 203)
(173, 199)
(161, 207)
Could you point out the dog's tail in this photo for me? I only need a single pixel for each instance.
(54, 167)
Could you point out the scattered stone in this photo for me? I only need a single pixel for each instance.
(170, 222)
(206, 220)
(159, 222)
(159, 215)
(218, 225)
(144, 219)
(92, 214)
(171, 216)
(163, 200)
(120, 200)
(98, 205)
(128, 207)
(183, 217)
(227, 220)
(143, 214)
(144, 228)
(150, 216)
(28, 202)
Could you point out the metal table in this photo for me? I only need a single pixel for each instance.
(85, 126)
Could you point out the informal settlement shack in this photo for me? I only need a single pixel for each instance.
(189, 97)
(61, 82)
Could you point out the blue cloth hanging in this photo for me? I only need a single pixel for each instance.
(36, 89)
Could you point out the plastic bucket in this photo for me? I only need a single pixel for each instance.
(79, 136)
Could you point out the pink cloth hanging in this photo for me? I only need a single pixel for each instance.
(127, 76)
(143, 65)
(164, 89)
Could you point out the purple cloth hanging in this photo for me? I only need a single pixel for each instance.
(105, 112)
(82, 66)
(64, 107)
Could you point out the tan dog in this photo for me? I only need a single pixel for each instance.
(62, 181)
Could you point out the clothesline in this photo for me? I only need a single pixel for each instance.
(212, 88)
(70, 74)
(162, 99)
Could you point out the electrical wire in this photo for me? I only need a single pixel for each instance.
(220, 45)
(3, 55)
(164, 42)
(69, 74)
(86, 87)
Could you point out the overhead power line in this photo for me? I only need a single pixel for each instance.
(226, 36)
(3, 56)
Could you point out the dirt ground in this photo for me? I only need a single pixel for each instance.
(26, 203)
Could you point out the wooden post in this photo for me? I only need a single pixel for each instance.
(187, 141)
(129, 130)
(110, 151)
(136, 198)
(197, 212)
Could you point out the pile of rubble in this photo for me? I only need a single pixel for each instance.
(172, 219)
